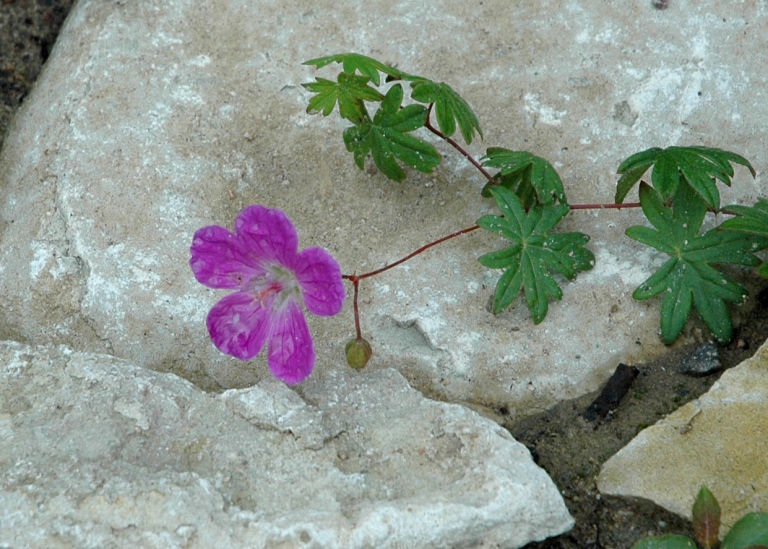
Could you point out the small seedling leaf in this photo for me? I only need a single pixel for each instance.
(688, 278)
(750, 531)
(450, 108)
(706, 519)
(387, 138)
(535, 254)
(700, 167)
(670, 541)
(525, 174)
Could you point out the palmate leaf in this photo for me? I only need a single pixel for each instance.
(388, 140)
(688, 278)
(350, 91)
(352, 62)
(450, 108)
(751, 220)
(534, 254)
(530, 177)
(699, 166)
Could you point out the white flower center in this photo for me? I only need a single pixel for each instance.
(276, 288)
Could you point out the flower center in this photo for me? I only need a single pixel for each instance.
(275, 288)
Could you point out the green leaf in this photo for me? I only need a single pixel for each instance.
(670, 541)
(699, 166)
(352, 62)
(688, 278)
(349, 91)
(751, 220)
(526, 175)
(450, 108)
(534, 253)
(750, 530)
(388, 140)
(706, 519)
(748, 219)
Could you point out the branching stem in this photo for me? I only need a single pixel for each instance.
(355, 278)
(455, 145)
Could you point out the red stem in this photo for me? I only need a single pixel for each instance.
(409, 256)
(456, 146)
(355, 278)
(428, 125)
(356, 284)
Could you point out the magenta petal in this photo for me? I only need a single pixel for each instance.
(319, 277)
(218, 259)
(291, 351)
(239, 326)
(267, 234)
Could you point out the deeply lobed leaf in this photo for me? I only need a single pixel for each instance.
(688, 279)
(388, 141)
(750, 220)
(355, 62)
(349, 91)
(698, 166)
(450, 108)
(534, 254)
(530, 177)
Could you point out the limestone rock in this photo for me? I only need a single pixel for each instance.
(717, 440)
(96, 452)
(154, 118)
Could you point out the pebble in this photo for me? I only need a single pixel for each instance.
(703, 361)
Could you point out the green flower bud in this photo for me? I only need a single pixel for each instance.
(358, 353)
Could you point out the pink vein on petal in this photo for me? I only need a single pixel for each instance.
(319, 277)
(268, 234)
(239, 326)
(218, 259)
(291, 351)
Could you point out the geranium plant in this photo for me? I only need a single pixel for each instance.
(531, 198)
(273, 281)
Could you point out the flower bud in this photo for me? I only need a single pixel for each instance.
(358, 353)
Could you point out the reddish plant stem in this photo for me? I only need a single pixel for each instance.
(356, 284)
(355, 278)
(428, 125)
(456, 146)
(409, 256)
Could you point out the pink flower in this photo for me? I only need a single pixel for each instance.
(272, 279)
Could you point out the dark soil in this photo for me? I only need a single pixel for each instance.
(570, 448)
(28, 30)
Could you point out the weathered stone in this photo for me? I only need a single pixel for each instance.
(155, 118)
(718, 440)
(95, 452)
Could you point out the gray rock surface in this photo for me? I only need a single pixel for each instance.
(96, 452)
(717, 440)
(155, 118)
